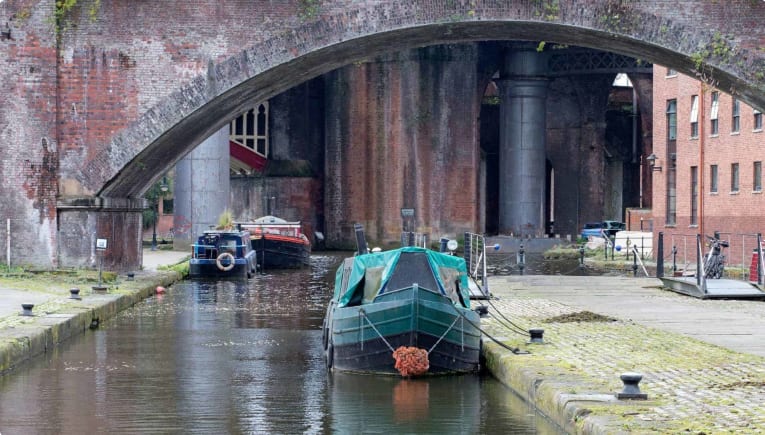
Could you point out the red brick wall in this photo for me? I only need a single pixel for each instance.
(737, 215)
(402, 133)
(138, 73)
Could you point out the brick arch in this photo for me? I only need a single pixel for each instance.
(348, 32)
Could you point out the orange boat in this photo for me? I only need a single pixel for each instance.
(279, 244)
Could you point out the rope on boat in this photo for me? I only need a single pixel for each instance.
(513, 327)
(363, 314)
(444, 334)
(514, 350)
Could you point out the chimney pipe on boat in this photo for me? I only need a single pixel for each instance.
(361, 241)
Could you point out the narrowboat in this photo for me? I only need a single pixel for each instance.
(279, 244)
(403, 311)
(222, 253)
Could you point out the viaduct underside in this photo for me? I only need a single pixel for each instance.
(100, 104)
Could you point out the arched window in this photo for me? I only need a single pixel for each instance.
(251, 129)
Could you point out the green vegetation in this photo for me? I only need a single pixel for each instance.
(309, 9)
(65, 7)
(226, 220)
(548, 10)
(162, 188)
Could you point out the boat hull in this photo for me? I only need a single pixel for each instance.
(207, 268)
(360, 338)
(280, 252)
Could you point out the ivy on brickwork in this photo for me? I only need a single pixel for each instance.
(720, 48)
(309, 9)
(618, 16)
(548, 10)
(65, 7)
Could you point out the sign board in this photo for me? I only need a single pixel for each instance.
(407, 212)
(101, 244)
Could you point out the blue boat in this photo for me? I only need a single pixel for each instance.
(222, 254)
(402, 300)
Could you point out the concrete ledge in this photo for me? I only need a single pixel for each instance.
(549, 395)
(46, 331)
(700, 362)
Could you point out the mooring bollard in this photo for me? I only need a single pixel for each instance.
(536, 335)
(482, 310)
(27, 309)
(634, 264)
(631, 389)
(521, 258)
(74, 293)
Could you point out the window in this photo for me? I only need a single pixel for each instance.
(757, 120)
(672, 119)
(671, 72)
(671, 200)
(734, 177)
(713, 178)
(735, 123)
(251, 129)
(671, 162)
(167, 205)
(713, 116)
(694, 195)
(694, 116)
(757, 174)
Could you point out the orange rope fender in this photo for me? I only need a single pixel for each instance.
(411, 361)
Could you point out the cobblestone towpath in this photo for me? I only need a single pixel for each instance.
(702, 361)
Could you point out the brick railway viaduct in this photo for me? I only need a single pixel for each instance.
(96, 107)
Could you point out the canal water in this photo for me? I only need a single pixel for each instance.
(240, 357)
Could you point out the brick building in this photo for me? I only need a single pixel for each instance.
(707, 174)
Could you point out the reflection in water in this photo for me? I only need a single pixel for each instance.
(410, 400)
(238, 357)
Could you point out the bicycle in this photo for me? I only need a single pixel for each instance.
(714, 261)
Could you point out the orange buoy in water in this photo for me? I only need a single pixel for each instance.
(411, 361)
(160, 289)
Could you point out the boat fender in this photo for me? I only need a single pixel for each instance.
(220, 260)
(411, 361)
(330, 355)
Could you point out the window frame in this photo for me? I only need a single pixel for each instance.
(714, 173)
(757, 121)
(714, 125)
(252, 127)
(735, 122)
(694, 215)
(694, 116)
(735, 178)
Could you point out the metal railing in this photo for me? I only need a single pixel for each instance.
(693, 255)
(475, 260)
(409, 238)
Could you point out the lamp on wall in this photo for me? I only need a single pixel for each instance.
(163, 188)
(652, 162)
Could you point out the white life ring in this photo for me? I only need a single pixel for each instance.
(219, 261)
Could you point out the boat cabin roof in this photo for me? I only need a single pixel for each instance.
(362, 278)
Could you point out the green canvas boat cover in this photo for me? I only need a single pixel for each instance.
(370, 274)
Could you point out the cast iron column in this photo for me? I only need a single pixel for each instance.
(523, 91)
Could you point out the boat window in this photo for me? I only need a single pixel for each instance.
(412, 267)
(228, 245)
(372, 281)
(451, 279)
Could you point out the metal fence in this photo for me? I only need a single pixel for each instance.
(682, 255)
